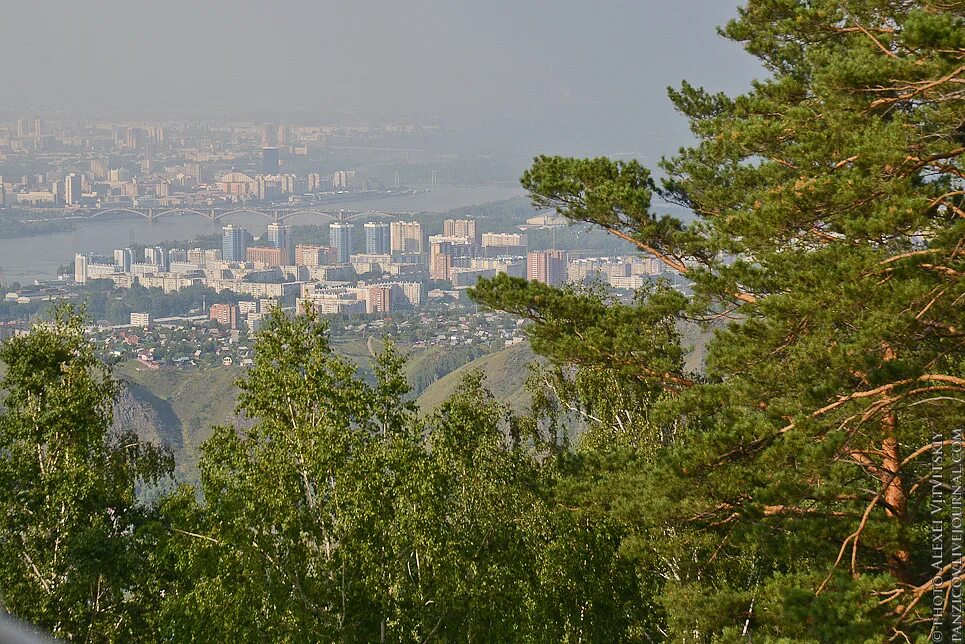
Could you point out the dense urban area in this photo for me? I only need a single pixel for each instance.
(200, 302)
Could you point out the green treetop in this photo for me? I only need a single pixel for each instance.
(70, 520)
(827, 252)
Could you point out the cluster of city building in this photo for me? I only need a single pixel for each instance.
(395, 268)
(105, 187)
(187, 341)
(104, 165)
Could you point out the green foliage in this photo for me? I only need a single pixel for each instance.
(211, 241)
(436, 365)
(104, 302)
(504, 375)
(785, 497)
(70, 521)
(341, 516)
(11, 228)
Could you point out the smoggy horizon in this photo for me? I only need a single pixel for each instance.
(532, 71)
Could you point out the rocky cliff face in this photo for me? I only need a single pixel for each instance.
(177, 409)
(151, 417)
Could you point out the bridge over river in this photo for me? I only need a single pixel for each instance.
(217, 214)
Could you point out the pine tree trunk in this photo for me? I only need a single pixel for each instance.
(895, 498)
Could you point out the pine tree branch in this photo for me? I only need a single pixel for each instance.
(877, 42)
(915, 253)
(913, 89)
(922, 450)
(958, 384)
(196, 535)
(853, 537)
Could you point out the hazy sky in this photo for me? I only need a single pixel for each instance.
(418, 59)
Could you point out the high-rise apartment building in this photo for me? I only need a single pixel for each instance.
(119, 175)
(461, 228)
(378, 239)
(194, 171)
(155, 135)
(313, 255)
(267, 136)
(547, 266)
(99, 169)
(72, 189)
(39, 128)
(378, 299)
(266, 255)
(156, 256)
(342, 178)
(308, 254)
(224, 314)
(500, 244)
(440, 266)
(80, 267)
(286, 183)
(340, 238)
(134, 137)
(196, 256)
(504, 239)
(446, 253)
(234, 242)
(124, 257)
(406, 237)
(314, 182)
(280, 237)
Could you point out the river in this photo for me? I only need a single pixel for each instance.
(24, 259)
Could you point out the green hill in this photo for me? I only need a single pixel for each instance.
(423, 365)
(181, 403)
(179, 407)
(505, 373)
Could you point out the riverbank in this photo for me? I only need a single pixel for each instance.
(39, 255)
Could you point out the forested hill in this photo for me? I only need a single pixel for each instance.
(796, 478)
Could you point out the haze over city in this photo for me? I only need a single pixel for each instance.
(526, 76)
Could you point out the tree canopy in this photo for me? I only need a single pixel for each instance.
(826, 256)
(343, 516)
(70, 519)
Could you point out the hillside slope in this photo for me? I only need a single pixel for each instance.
(505, 373)
(151, 417)
(187, 403)
(179, 407)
